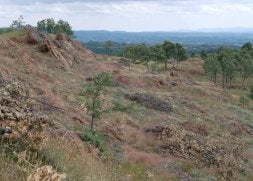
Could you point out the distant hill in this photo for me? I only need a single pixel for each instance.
(215, 38)
(229, 30)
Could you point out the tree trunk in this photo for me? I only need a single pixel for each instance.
(92, 115)
(92, 123)
(223, 80)
(243, 80)
(166, 65)
(215, 78)
(230, 81)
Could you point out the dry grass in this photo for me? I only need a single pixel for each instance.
(77, 164)
(10, 170)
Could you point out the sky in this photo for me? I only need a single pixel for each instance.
(133, 15)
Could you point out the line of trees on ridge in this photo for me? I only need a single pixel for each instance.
(229, 64)
(159, 53)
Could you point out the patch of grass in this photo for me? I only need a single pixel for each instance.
(245, 116)
(198, 174)
(5, 30)
(10, 170)
(12, 34)
(187, 166)
(249, 141)
(118, 106)
(134, 171)
(78, 164)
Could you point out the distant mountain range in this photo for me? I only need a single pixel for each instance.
(228, 30)
(236, 36)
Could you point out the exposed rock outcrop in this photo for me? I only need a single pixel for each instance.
(62, 47)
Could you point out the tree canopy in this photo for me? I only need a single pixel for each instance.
(230, 64)
(50, 26)
(92, 93)
(18, 24)
(159, 53)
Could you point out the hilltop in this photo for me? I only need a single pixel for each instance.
(175, 125)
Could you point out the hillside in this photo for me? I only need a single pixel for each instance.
(175, 125)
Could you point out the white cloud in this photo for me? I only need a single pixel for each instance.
(138, 15)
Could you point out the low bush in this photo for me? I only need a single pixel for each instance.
(118, 106)
(251, 92)
(244, 101)
(95, 138)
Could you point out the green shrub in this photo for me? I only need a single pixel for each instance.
(95, 138)
(244, 101)
(117, 106)
(251, 92)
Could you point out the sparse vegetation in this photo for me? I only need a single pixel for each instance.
(91, 95)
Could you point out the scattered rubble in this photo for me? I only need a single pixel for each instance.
(197, 128)
(19, 123)
(227, 160)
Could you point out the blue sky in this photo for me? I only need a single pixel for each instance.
(130, 15)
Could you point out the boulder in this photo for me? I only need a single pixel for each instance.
(46, 173)
(61, 37)
(33, 36)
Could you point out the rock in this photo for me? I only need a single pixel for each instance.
(46, 173)
(61, 37)
(43, 48)
(1, 116)
(173, 83)
(6, 130)
(4, 109)
(5, 93)
(61, 46)
(18, 115)
(33, 36)
(9, 116)
(18, 118)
